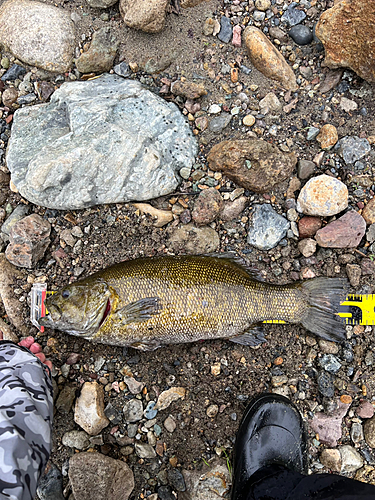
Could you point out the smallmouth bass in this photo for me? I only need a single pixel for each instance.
(147, 302)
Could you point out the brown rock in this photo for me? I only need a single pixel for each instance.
(144, 15)
(94, 476)
(253, 163)
(307, 247)
(365, 410)
(207, 206)
(232, 209)
(28, 240)
(89, 409)
(331, 80)
(8, 277)
(327, 136)
(189, 90)
(345, 232)
(347, 32)
(44, 90)
(308, 226)
(331, 459)
(354, 272)
(9, 96)
(367, 267)
(267, 59)
(101, 53)
(194, 240)
(368, 213)
(369, 432)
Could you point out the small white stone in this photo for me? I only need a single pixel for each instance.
(214, 109)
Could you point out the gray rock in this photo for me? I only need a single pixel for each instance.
(133, 410)
(267, 227)
(176, 480)
(150, 411)
(134, 386)
(66, 398)
(38, 34)
(352, 148)
(356, 432)
(226, 31)
(292, 15)
(301, 34)
(76, 439)
(325, 384)
(351, 459)
(101, 4)
(18, 213)
(312, 133)
(194, 240)
(211, 483)
(170, 423)
(122, 69)
(369, 432)
(93, 476)
(218, 123)
(50, 485)
(14, 72)
(370, 235)
(330, 363)
(305, 169)
(144, 450)
(101, 53)
(102, 141)
(26, 99)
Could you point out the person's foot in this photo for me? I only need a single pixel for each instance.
(271, 432)
(36, 349)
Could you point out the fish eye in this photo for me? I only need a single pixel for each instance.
(65, 294)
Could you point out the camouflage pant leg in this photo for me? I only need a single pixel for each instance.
(26, 409)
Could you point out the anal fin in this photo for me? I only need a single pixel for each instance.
(138, 311)
(253, 336)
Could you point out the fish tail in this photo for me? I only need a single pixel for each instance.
(324, 297)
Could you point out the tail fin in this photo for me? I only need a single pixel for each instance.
(325, 296)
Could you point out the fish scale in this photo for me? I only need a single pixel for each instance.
(149, 302)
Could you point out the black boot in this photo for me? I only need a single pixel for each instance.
(271, 432)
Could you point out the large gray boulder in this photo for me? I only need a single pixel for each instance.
(107, 140)
(38, 34)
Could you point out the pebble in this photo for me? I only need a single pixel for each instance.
(330, 363)
(165, 493)
(66, 398)
(176, 480)
(305, 169)
(352, 149)
(237, 39)
(133, 410)
(18, 213)
(167, 397)
(348, 105)
(312, 133)
(208, 26)
(262, 5)
(89, 409)
(270, 103)
(365, 410)
(350, 458)
(329, 426)
(9, 96)
(267, 227)
(76, 439)
(50, 484)
(325, 384)
(248, 120)
(112, 414)
(293, 16)
(368, 213)
(267, 59)
(308, 226)
(345, 232)
(232, 209)
(150, 411)
(331, 458)
(170, 424)
(301, 34)
(214, 109)
(122, 69)
(307, 247)
(212, 411)
(323, 195)
(218, 123)
(328, 347)
(207, 207)
(258, 16)
(28, 241)
(194, 240)
(13, 73)
(354, 273)
(26, 99)
(144, 450)
(356, 432)
(225, 33)
(370, 235)
(188, 90)
(327, 136)
(134, 386)
(369, 431)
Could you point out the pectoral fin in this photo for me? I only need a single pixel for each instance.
(138, 311)
(145, 346)
(253, 336)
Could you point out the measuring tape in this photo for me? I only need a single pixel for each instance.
(355, 310)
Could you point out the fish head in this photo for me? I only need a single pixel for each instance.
(78, 309)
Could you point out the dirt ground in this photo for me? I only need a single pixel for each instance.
(119, 232)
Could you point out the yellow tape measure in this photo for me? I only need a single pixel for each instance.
(355, 310)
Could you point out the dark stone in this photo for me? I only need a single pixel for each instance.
(176, 480)
(292, 15)
(226, 31)
(50, 484)
(165, 493)
(301, 34)
(13, 73)
(325, 384)
(122, 69)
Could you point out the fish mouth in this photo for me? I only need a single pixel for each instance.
(106, 312)
(52, 316)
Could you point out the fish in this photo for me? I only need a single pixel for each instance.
(153, 301)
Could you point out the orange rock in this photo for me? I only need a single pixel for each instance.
(327, 136)
(267, 59)
(347, 32)
(346, 399)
